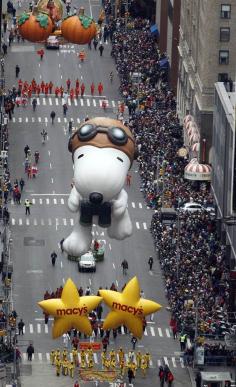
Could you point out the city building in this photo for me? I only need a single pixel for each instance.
(168, 20)
(207, 54)
(224, 175)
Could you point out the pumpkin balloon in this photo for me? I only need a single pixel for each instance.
(53, 7)
(35, 27)
(79, 29)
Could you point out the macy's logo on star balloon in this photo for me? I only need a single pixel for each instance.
(70, 311)
(129, 309)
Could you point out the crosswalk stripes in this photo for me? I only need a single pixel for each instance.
(62, 201)
(30, 221)
(170, 361)
(92, 101)
(151, 331)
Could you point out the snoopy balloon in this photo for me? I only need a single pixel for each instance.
(103, 152)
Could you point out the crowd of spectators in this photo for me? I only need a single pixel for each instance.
(191, 257)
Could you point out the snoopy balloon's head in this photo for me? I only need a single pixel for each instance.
(103, 151)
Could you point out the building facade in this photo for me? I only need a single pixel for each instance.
(224, 175)
(207, 53)
(168, 20)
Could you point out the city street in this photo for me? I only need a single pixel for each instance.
(37, 235)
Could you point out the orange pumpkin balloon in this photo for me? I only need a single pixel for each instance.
(35, 27)
(79, 29)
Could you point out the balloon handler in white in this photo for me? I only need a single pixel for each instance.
(102, 151)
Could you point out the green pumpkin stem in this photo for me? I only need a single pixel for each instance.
(43, 20)
(22, 18)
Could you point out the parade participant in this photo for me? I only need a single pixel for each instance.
(42, 85)
(52, 357)
(41, 53)
(75, 355)
(72, 93)
(107, 364)
(113, 364)
(90, 362)
(101, 49)
(38, 90)
(82, 359)
(131, 355)
(150, 262)
(53, 258)
(57, 352)
(104, 104)
(46, 88)
(34, 171)
(61, 92)
(22, 184)
(29, 93)
(103, 356)
(121, 354)
(17, 70)
(52, 116)
(71, 368)
(76, 384)
(57, 91)
(138, 359)
(21, 325)
(161, 376)
(44, 135)
(77, 91)
(170, 378)
(92, 88)
(68, 83)
(173, 325)
(133, 342)
(58, 365)
(50, 86)
(125, 266)
(36, 157)
(144, 365)
(130, 375)
(100, 88)
(65, 364)
(82, 56)
(20, 84)
(33, 84)
(148, 359)
(112, 355)
(82, 90)
(77, 83)
(64, 354)
(34, 103)
(89, 354)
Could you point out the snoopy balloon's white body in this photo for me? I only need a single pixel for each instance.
(102, 171)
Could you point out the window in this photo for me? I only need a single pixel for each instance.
(225, 11)
(224, 34)
(224, 57)
(223, 77)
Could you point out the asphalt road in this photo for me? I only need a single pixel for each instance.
(36, 236)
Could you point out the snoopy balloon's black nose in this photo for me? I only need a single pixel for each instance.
(95, 198)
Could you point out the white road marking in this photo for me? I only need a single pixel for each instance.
(114, 266)
(47, 201)
(166, 361)
(109, 246)
(69, 101)
(160, 332)
(38, 101)
(52, 180)
(63, 280)
(145, 226)
(47, 355)
(140, 205)
(13, 119)
(46, 328)
(145, 332)
(61, 76)
(56, 101)
(31, 328)
(49, 221)
(72, 222)
(133, 204)
(81, 102)
(27, 222)
(59, 119)
(13, 221)
(88, 102)
(55, 201)
(50, 165)
(64, 222)
(39, 328)
(46, 119)
(62, 201)
(39, 119)
(173, 362)
(40, 201)
(50, 101)
(20, 222)
(181, 360)
(20, 119)
(94, 103)
(90, 282)
(152, 331)
(35, 222)
(95, 356)
(158, 363)
(32, 119)
(117, 283)
(137, 225)
(26, 119)
(61, 264)
(59, 65)
(78, 120)
(44, 101)
(33, 201)
(167, 332)
(113, 103)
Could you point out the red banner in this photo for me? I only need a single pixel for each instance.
(86, 345)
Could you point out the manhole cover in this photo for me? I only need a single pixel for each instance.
(31, 241)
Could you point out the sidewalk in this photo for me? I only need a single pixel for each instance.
(193, 372)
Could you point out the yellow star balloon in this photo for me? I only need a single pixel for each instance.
(71, 310)
(128, 308)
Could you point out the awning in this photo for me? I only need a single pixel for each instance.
(216, 376)
(196, 171)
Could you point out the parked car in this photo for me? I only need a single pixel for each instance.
(192, 207)
(52, 42)
(87, 262)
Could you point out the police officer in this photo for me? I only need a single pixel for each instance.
(150, 262)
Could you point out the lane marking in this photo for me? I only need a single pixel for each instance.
(109, 246)
(137, 225)
(160, 332)
(52, 180)
(50, 165)
(72, 222)
(174, 362)
(140, 205)
(46, 328)
(114, 266)
(152, 331)
(145, 226)
(39, 328)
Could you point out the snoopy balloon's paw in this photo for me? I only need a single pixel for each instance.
(118, 208)
(72, 205)
(75, 246)
(122, 228)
